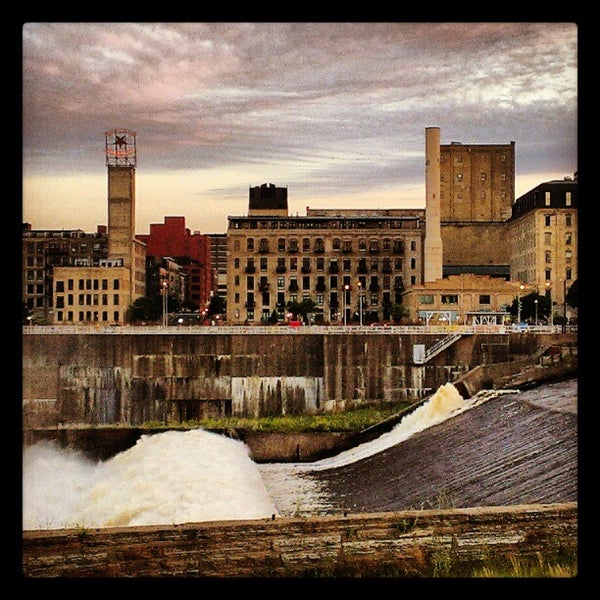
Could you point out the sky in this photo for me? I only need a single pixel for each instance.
(335, 112)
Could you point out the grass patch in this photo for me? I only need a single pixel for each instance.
(351, 420)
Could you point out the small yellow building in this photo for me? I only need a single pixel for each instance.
(464, 299)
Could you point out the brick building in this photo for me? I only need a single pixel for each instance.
(191, 251)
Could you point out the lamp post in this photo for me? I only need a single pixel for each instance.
(346, 287)
(521, 288)
(549, 291)
(360, 303)
(165, 305)
(536, 311)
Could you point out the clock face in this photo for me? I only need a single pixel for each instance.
(120, 148)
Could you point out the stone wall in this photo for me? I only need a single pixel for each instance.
(127, 379)
(410, 543)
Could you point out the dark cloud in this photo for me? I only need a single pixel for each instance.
(343, 103)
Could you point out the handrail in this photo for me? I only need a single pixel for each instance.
(282, 330)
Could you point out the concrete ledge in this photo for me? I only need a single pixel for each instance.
(410, 542)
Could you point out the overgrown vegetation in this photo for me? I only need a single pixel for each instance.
(354, 419)
(443, 564)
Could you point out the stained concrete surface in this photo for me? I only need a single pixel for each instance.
(516, 448)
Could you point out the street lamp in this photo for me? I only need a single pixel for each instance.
(521, 288)
(536, 313)
(360, 303)
(165, 284)
(549, 290)
(346, 288)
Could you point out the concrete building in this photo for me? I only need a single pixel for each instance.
(191, 251)
(80, 293)
(45, 250)
(352, 264)
(477, 183)
(465, 299)
(544, 241)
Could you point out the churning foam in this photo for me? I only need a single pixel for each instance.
(168, 478)
(192, 476)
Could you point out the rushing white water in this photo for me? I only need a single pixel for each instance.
(192, 476)
(296, 493)
(168, 478)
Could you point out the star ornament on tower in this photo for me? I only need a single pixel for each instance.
(120, 148)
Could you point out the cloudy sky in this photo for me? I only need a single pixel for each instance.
(335, 112)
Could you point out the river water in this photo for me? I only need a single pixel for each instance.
(177, 477)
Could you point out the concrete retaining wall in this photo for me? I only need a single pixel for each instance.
(412, 543)
(102, 379)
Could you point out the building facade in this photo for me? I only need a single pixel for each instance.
(354, 265)
(45, 250)
(544, 241)
(79, 292)
(477, 183)
(191, 251)
(464, 299)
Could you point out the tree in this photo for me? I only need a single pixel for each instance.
(398, 312)
(150, 308)
(528, 307)
(217, 305)
(572, 295)
(302, 309)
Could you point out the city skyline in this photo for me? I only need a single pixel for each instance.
(335, 112)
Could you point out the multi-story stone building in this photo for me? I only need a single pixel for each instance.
(45, 250)
(477, 183)
(350, 263)
(543, 240)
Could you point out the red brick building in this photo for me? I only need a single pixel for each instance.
(190, 250)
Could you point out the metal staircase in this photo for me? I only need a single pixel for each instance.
(438, 347)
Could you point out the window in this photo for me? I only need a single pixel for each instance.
(281, 245)
(236, 263)
(305, 244)
(568, 238)
(115, 284)
(567, 198)
(485, 299)
(449, 298)
(547, 198)
(280, 283)
(459, 177)
(548, 220)
(548, 257)
(116, 299)
(250, 282)
(70, 284)
(413, 246)
(568, 220)
(60, 286)
(264, 263)
(250, 244)
(482, 176)
(426, 299)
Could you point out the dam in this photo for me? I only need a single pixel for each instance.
(142, 376)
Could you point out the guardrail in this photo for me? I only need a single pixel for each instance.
(282, 330)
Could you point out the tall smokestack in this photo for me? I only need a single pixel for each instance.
(433, 236)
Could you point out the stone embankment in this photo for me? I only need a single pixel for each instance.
(408, 543)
